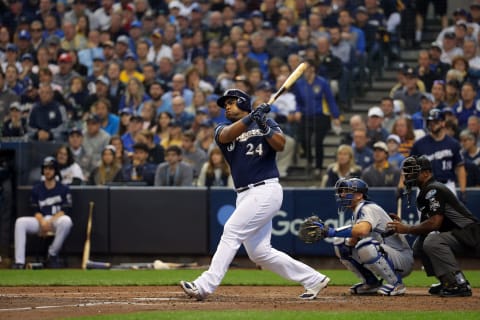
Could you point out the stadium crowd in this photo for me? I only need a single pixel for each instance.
(128, 86)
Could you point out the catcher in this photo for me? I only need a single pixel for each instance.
(366, 248)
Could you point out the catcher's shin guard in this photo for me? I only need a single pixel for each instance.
(344, 253)
(373, 258)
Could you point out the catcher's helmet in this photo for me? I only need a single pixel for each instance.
(412, 166)
(243, 100)
(346, 188)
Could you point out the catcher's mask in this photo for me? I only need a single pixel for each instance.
(412, 166)
(345, 190)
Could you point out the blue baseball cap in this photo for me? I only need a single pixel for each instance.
(24, 35)
(26, 56)
(136, 24)
(12, 47)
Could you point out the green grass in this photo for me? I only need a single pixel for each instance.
(290, 315)
(71, 277)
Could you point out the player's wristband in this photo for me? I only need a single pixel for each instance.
(247, 121)
(269, 133)
(343, 232)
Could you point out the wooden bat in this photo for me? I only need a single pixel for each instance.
(399, 208)
(297, 73)
(86, 247)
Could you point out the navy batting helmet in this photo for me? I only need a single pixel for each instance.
(435, 115)
(346, 188)
(50, 162)
(243, 100)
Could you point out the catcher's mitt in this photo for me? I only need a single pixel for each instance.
(312, 229)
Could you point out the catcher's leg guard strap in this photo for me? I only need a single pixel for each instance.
(343, 252)
(374, 259)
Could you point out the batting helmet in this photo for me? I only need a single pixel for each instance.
(435, 115)
(345, 190)
(243, 100)
(412, 166)
(50, 162)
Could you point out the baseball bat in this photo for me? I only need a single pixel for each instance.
(297, 73)
(86, 247)
(399, 208)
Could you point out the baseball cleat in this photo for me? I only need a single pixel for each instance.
(312, 293)
(463, 290)
(365, 288)
(191, 290)
(435, 289)
(392, 290)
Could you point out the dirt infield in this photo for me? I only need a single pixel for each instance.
(29, 303)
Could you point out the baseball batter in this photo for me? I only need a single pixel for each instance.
(249, 144)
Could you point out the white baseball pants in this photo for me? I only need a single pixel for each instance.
(30, 225)
(251, 225)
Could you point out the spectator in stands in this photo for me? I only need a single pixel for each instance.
(158, 50)
(440, 7)
(66, 72)
(419, 118)
(80, 156)
(452, 93)
(191, 154)
(473, 126)
(149, 116)
(467, 106)
(180, 115)
(162, 129)
(315, 108)
(7, 97)
(134, 96)
(409, 94)
(95, 139)
(438, 67)
(70, 171)
(375, 130)
(425, 73)
(51, 202)
(395, 158)
(156, 153)
(178, 88)
(449, 48)
(15, 126)
(363, 154)
(343, 167)
(471, 155)
(139, 170)
(122, 156)
(135, 125)
(355, 122)
(438, 93)
(194, 81)
(109, 122)
(215, 172)
(329, 66)
(27, 75)
(205, 137)
(47, 118)
(174, 172)
(116, 88)
(403, 128)
(107, 170)
(381, 173)
(389, 115)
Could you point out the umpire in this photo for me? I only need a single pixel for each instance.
(447, 228)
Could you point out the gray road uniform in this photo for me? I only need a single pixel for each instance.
(377, 255)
